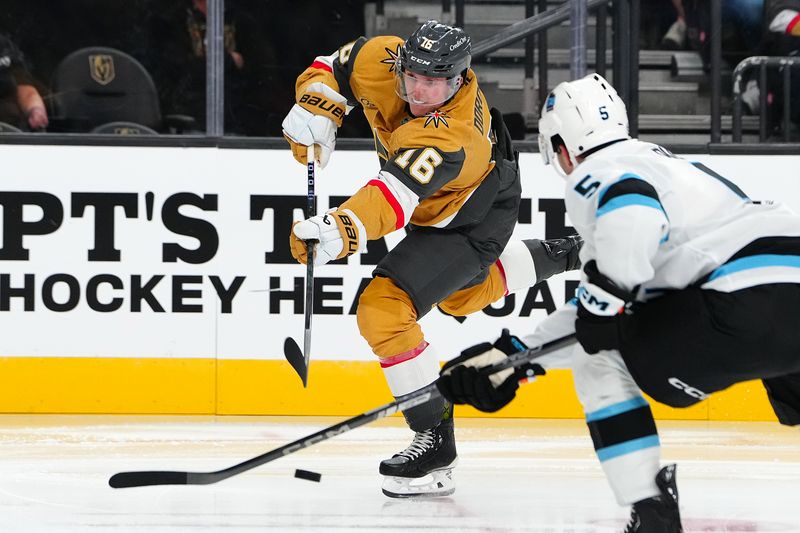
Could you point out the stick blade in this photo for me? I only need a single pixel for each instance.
(295, 356)
(124, 480)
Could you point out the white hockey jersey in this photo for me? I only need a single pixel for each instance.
(656, 221)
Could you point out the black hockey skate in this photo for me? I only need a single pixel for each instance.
(659, 514)
(425, 468)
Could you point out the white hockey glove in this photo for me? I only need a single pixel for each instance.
(461, 381)
(338, 233)
(314, 119)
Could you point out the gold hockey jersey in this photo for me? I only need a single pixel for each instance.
(432, 164)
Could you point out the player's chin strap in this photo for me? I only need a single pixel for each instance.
(157, 477)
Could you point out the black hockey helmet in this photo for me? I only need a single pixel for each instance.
(432, 64)
(436, 50)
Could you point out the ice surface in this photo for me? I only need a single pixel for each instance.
(513, 475)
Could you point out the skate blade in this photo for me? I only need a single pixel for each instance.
(437, 484)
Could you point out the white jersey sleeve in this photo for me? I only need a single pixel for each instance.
(620, 213)
(661, 222)
(630, 225)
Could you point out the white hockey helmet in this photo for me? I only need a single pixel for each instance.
(585, 114)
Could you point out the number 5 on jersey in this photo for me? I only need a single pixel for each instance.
(423, 166)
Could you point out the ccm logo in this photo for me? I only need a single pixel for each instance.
(688, 389)
(316, 101)
(590, 300)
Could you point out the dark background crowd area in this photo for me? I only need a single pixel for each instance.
(269, 42)
(275, 41)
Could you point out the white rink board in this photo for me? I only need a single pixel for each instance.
(193, 322)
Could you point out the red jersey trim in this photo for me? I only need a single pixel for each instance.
(405, 356)
(396, 207)
(321, 65)
(503, 275)
(792, 24)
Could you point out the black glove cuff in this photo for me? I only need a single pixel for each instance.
(596, 277)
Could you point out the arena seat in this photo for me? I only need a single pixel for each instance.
(99, 85)
(8, 128)
(121, 127)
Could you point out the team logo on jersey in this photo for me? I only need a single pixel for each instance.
(393, 59)
(436, 117)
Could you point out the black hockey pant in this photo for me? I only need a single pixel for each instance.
(689, 343)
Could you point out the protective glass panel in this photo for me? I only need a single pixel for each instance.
(268, 45)
(111, 66)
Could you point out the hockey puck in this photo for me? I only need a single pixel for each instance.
(307, 475)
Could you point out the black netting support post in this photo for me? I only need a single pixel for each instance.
(736, 126)
(787, 101)
(460, 13)
(530, 10)
(763, 91)
(447, 12)
(529, 102)
(215, 69)
(577, 48)
(542, 56)
(622, 54)
(716, 71)
(600, 18)
(633, 110)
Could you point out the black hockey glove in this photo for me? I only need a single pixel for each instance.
(600, 304)
(462, 382)
(554, 256)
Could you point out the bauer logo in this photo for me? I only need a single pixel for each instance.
(315, 101)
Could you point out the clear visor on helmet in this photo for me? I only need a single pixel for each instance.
(548, 154)
(424, 90)
(545, 149)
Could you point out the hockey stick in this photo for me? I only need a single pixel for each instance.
(141, 479)
(299, 360)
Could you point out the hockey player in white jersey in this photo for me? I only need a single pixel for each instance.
(688, 287)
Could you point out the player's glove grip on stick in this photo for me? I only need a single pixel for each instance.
(461, 381)
(314, 119)
(337, 234)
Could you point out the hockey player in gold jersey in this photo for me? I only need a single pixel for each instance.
(450, 177)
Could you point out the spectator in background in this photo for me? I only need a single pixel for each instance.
(742, 34)
(782, 21)
(21, 105)
(675, 38)
(781, 25)
(745, 18)
(177, 33)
